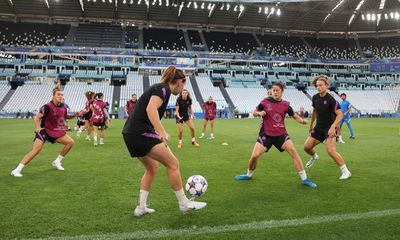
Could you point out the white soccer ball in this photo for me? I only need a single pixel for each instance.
(196, 185)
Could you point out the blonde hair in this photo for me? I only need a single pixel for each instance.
(172, 75)
(320, 77)
(56, 89)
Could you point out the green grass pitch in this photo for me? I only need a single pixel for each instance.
(98, 191)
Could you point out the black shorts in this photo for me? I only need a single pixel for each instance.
(268, 141)
(99, 124)
(140, 144)
(80, 123)
(320, 134)
(185, 118)
(43, 136)
(88, 115)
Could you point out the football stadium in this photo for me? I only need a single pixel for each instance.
(178, 119)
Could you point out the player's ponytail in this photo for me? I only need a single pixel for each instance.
(172, 75)
(56, 89)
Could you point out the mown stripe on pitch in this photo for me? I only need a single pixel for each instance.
(231, 228)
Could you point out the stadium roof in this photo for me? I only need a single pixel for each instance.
(312, 16)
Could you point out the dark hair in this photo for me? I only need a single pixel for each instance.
(320, 77)
(172, 74)
(185, 90)
(343, 94)
(280, 84)
(98, 95)
(134, 95)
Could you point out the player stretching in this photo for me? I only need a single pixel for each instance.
(328, 114)
(183, 106)
(210, 111)
(146, 139)
(49, 126)
(273, 132)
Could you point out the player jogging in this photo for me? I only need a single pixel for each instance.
(345, 105)
(328, 114)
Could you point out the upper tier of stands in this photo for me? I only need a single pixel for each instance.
(31, 34)
(334, 48)
(164, 39)
(283, 46)
(98, 36)
(230, 42)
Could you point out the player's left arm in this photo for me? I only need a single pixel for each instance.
(299, 119)
(191, 111)
(332, 129)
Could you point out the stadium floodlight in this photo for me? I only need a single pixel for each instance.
(272, 10)
(382, 4)
(110, 1)
(396, 16)
(139, 2)
(154, 2)
(266, 10)
(222, 7)
(188, 5)
(104, 1)
(373, 17)
(228, 6)
(360, 4)
(159, 2)
(241, 9)
(235, 8)
(278, 12)
(47, 3)
(259, 9)
(363, 17)
(386, 16)
(82, 6)
(378, 19)
(180, 9)
(368, 16)
(202, 5)
(351, 19)
(195, 5)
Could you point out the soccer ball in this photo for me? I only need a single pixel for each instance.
(196, 185)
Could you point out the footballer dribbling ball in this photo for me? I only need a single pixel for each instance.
(196, 185)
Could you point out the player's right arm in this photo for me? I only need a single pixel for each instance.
(313, 117)
(177, 111)
(38, 119)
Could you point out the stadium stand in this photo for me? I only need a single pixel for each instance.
(382, 47)
(334, 48)
(98, 36)
(29, 34)
(164, 39)
(230, 42)
(283, 46)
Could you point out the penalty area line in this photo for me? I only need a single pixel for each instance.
(191, 231)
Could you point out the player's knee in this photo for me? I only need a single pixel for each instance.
(152, 170)
(331, 151)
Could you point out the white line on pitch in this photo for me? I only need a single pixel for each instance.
(231, 228)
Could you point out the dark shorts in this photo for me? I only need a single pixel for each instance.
(140, 144)
(80, 123)
(99, 124)
(87, 116)
(268, 141)
(43, 136)
(320, 134)
(184, 119)
(209, 118)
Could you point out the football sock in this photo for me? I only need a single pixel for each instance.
(143, 198)
(180, 195)
(303, 175)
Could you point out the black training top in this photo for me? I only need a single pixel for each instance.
(183, 105)
(139, 122)
(325, 108)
